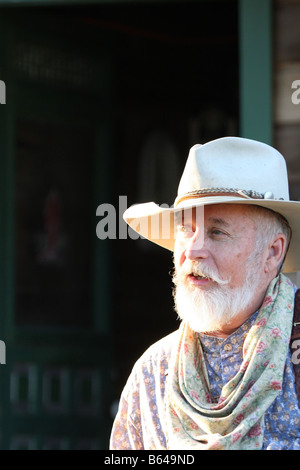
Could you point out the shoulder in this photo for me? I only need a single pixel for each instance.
(159, 351)
(153, 363)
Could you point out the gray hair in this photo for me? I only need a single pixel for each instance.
(269, 224)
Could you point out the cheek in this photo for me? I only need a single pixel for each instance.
(234, 266)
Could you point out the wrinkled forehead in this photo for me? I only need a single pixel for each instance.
(219, 213)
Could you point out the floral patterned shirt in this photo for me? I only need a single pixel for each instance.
(141, 424)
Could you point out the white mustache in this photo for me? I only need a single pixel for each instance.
(197, 269)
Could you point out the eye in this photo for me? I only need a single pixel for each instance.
(186, 228)
(218, 233)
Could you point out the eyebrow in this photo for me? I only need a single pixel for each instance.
(219, 221)
(215, 220)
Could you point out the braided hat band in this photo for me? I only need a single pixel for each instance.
(248, 194)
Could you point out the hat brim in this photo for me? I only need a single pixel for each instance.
(157, 224)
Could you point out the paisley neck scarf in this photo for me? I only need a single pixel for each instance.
(237, 420)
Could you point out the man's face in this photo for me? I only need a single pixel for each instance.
(224, 243)
(217, 265)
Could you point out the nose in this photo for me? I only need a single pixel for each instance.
(196, 248)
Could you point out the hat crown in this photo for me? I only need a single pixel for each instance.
(235, 163)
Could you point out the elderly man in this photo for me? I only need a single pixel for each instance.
(225, 378)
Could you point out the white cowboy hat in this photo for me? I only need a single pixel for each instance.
(227, 170)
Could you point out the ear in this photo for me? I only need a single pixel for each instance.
(275, 253)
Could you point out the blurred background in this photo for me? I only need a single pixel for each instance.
(104, 99)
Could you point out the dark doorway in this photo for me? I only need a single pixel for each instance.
(176, 72)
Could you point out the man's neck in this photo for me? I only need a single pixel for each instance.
(224, 332)
(234, 325)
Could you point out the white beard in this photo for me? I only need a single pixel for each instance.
(208, 310)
